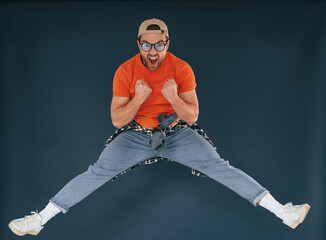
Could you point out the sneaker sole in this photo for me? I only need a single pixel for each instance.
(302, 216)
(15, 231)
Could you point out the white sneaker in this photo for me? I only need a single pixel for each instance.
(28, 225)
(293, 215)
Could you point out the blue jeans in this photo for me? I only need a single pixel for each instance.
(184, 146)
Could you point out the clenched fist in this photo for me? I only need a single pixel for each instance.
(142, 90)
(170, 90)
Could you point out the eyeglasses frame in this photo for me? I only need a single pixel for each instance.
(141, 45)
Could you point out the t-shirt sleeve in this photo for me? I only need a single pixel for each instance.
(121, 86)
(186, 79)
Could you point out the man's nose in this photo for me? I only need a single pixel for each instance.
(153, 50)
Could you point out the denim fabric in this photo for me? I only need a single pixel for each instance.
(130, 148)
(176, 126)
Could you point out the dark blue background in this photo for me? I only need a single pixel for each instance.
(260, 70)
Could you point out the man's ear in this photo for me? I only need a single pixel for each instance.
(167, 45)
(139, 47)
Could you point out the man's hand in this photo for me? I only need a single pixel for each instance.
(142, 91)
(170, 90)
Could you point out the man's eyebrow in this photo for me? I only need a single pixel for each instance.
(153, 43)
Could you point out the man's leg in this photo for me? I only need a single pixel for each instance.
(126, 150)
(190, 149)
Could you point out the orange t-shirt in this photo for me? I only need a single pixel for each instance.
(133, 69)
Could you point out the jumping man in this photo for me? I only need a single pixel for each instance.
(155, 109)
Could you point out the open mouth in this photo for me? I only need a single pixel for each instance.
(153, 61)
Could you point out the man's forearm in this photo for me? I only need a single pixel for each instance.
(186, 111)
(125, 114)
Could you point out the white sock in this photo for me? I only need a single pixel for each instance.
(271, 204)
(49, 212)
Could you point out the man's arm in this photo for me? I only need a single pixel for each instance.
(123, 110)
(184, 104)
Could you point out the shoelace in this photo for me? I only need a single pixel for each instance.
(289, 207)
(29, 219)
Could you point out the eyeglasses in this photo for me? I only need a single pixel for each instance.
(148, 46)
